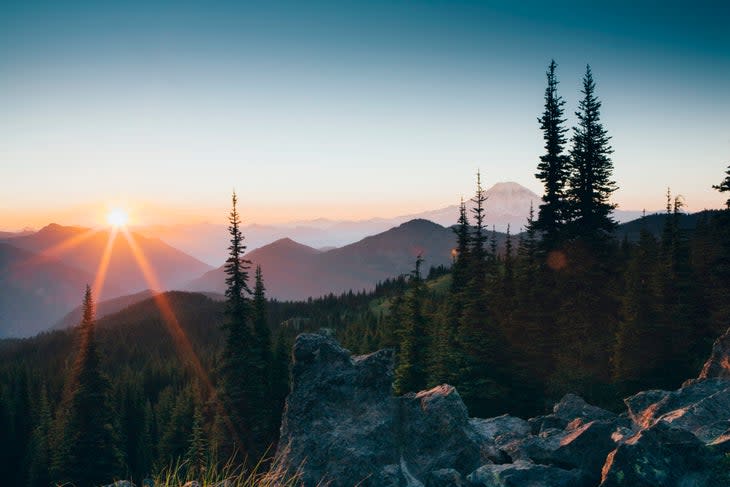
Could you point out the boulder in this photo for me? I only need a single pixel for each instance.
(659, 456)
(339, 421)
(445, 477)
(435, 432)
(718, 365)
(572, 407)
(522, 474)
(501, 429)
(701, 407)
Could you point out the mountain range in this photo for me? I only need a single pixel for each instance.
(508, 203)
(41, 264)
(293, 271)
(43, 274)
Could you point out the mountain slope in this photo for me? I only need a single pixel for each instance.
(294, 271)
(35, 291)
(171, 266)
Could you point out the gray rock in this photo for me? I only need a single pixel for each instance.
(523, 474)
(500, 430)
(702, 408)
(435, 432)
(446, 477)
(571, 407)
(718, 365)
(542, 423)
(659, 456)
(121, 483)
(339, 422)
(342, 427)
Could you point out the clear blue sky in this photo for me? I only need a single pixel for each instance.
(343, 109)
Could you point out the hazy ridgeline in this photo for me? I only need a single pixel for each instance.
(564, 307)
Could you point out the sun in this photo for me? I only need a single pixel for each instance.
(117, 217)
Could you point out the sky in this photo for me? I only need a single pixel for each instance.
(342, 109)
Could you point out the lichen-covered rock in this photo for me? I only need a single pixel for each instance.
(435, 432)
(339, 419)
(659, 456)
(718, 365)
(523, 474)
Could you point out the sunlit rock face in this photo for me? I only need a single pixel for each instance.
(718, 365)
(343, 426)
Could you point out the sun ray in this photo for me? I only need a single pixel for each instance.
(56, 250)
(100, 278)
(180, 340)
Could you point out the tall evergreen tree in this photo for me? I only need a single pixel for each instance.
(412, 371)
(724, 186)
(590, 183)
(480, 344)
(460, 268)
(261, 403)
(479, 237)
(87, 452)
(239, 386)
(553, 167)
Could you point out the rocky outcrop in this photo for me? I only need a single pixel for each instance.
(340, 416)
(718, 365)
(342, 426)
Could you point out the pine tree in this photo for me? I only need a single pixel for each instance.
(724, 186)
(460, 268)
(590, 184)
(445, 355)
(553, 167)
(638, 352)
(175, 433)
(40, 448)
(682, 310)
(412, 371)
(478, 239)
(262, 429)
(87, 453)
(196, 458)
(480, 354)
(238, 385)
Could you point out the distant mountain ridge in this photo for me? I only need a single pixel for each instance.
(83, 249)
(35, 290)
(43, 274)
(294, 271)
(508, 203)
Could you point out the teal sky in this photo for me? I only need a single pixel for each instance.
(342, 109)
